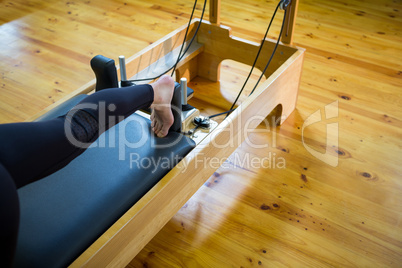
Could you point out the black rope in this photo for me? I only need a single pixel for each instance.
(272, 55)
(256, 58)
(215, 115)
(196, 31)
(185, 37)
(180, 57)
(255, 61)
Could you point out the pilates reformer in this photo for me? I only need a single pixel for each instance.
(138, 202)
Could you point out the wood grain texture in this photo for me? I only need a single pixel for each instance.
(306, 214)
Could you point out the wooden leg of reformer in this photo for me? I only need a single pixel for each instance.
(209, 66)
(189, 70)
(204, 65)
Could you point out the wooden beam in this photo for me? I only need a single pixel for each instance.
(290, 20)
(215, 11)
(220, 44)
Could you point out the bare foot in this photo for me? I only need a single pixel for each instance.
(162, 116)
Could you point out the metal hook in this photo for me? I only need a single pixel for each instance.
(284, 4)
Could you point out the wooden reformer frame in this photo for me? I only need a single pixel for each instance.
(214, 43)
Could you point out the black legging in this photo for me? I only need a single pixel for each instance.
(32, 150)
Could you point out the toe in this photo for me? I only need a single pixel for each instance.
(163, 133)
(157, 127)
(152, 120)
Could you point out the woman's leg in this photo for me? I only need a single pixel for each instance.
(30, 151)
(9, 213)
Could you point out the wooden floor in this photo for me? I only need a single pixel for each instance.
(277, 206)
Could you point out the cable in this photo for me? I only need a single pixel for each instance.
(253, 66)
(181, 57)
(185, 37)
(215, 115)
(196, 31)
(273, 53)
(256, 58)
